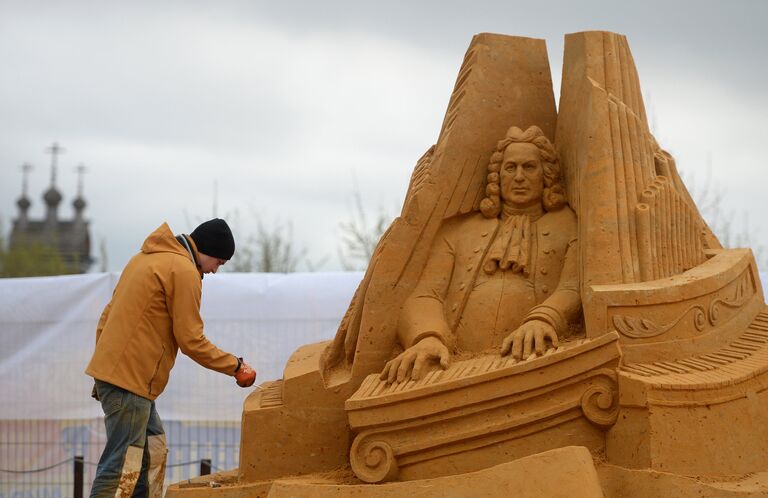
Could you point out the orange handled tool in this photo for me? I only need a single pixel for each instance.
(245, 375)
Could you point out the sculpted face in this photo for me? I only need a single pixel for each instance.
(521, 175)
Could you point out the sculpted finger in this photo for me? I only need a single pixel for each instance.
(517, 346)
(421, 363)
(445, 359)
(405, 368)
(384, 373)
(539, 342)
(527, 345)
(393, 366)
(506, 346)
(553, 337)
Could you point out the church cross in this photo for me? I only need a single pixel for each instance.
(25, 169)
(54, 150)
(81, 170)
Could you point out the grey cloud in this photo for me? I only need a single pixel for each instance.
(282, 101)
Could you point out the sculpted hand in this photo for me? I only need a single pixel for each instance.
(530, 336)
(414, 361)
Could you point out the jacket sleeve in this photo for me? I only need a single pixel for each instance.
(564, 305)
(183, 304)
(103, 319)
(423, 314)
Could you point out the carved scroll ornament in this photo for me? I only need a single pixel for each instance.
(373, 460)
(638, 327)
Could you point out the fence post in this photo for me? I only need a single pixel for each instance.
(78, 468)
(205, 466)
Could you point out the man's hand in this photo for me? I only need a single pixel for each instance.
(414, 361)
(245, 375)
(529, 337)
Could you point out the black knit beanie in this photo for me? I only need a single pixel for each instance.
(215, 239)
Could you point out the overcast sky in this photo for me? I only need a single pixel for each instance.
(284, 104)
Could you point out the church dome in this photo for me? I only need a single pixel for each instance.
(23, 203)
(52, 197)
(79, 204)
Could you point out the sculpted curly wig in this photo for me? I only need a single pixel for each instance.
(553, 197)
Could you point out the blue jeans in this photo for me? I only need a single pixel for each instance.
(130, 420)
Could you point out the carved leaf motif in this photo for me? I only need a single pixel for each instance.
(642, 328)
(636, 327)
(741, 295)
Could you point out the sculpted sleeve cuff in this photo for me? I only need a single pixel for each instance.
(424, 335)
(549, 315)
(422, 317)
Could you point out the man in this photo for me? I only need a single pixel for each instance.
(154, 312)
(506, 276)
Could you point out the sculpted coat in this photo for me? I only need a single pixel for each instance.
(469, 309)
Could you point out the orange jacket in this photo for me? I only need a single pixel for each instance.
(154, 312)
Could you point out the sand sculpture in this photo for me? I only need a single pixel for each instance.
(549, 315)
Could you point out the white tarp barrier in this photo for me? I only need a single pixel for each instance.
(47, 334)
(47, 331)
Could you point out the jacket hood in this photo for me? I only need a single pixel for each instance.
(163, 240)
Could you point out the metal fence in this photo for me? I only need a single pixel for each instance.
(41, 458)
(47, 417)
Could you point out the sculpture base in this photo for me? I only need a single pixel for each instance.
(564, 472)
(620, 482)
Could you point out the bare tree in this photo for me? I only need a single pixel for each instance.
(359, 237)
(268, 250)
(730, 227)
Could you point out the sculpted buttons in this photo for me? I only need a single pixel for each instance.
(544, 289)
(543, 271)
